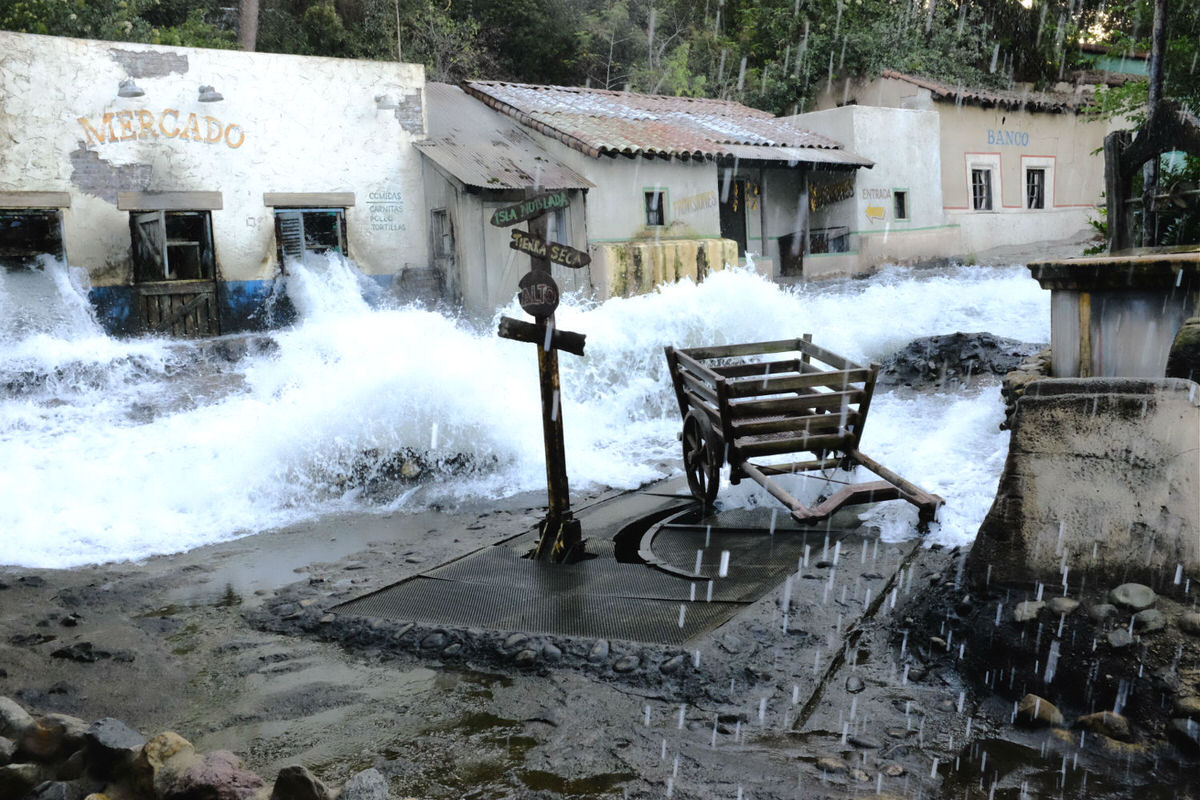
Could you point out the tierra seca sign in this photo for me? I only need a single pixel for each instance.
(124, 126)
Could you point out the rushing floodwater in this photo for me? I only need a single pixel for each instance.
(121, 449)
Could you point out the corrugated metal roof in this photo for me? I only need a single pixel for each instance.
(597, 121)
(485, 151)
(1054, 102)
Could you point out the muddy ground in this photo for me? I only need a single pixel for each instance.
(234, 647)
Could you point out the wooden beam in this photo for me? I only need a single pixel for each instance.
(308, 199)
(35, 200)
(169, 201)
(536, 334)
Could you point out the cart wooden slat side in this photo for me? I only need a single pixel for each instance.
(743, 401)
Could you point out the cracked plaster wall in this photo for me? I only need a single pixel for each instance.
(286, 124)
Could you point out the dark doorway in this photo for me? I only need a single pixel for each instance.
(733, 211)
(309, 230)
(26, 234)
(174, 272)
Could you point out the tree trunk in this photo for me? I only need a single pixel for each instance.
(248, 25)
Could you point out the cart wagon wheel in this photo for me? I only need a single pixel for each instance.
(701, 457)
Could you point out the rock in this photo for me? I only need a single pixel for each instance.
(599, 651)
(1028, 610)
(1134, 596)
(515, 640)
(452, 650)
(8, 748)
(1189, 622)
(833, 766)
(218, 776)
(1062, 605)
(864, 742)
(111, 746)
(672, 664)
(937, 643)
(14, 720)
(297, 783)
(892, 770)
(160, 760)
(732, 643)
(860, 775)
(1187, 706)
(366, 785)
(854, 684)
(1114, 726)
(63, 790)
(1149, 620)
(551, 652)
(53, 736)
(626, 664)
(17, 779)
(1186, 734)
(525, 658)
(81, 652)
(1102, 612)
(433, 641)
(1038, 711)
(1183, 359)
(1120, 638)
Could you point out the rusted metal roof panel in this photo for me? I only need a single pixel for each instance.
(1053, 102)
(597, 121)
(486, 152)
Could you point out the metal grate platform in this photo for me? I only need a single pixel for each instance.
(495, 588)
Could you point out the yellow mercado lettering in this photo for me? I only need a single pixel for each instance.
(241, 136)
(192, 129)
(213, 124)
(162, 123)
(93, 135)
(146, 123)
(126, 120)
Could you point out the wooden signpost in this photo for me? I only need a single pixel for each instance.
(560, 537)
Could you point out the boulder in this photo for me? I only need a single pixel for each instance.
(1134, 596)
(53, 736)
(16, 780)
(1114, 726)
(366, 785)
(1062, 605)
(160, 761)
(1183, 360)
(14, 720)
(627, 664)
(1038, 712)
(1119, 638)
(599, 651)
(1102, 612)
(1187, 706)
(217, 776)
(297, 783)
(1186, 734)
(8, 748)
(112, 746)
(1189, 622)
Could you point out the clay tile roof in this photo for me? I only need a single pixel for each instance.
(1054, 102)
(597, 121)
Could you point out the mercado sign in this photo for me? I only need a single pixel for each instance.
(528, 209)
(141, 123)
(558, 253)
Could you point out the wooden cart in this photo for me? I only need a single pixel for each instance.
(743, 401)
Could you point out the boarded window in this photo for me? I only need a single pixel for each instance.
(172, 245)
(656, 214)
(981, 189)
(300, 231)
(26, 234)
(899, 204)
(1035, 188)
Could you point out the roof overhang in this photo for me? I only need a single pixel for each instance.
(796, 155)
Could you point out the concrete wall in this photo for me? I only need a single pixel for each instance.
(286, 124)
(1009, 141)
(1101, 477)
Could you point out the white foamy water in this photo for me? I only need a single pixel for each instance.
(122, 449)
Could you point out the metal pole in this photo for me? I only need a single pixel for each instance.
(1158, 51)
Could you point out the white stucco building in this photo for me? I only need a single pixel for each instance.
(180, 178)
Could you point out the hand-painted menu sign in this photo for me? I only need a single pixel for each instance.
(558, 253)
(141, 123)
(528, 209)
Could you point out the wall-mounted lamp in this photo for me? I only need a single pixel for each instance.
(128, 88)
(384, 102)
(210, 95)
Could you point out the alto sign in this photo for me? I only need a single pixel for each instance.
(558, 253)
(529, 208)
